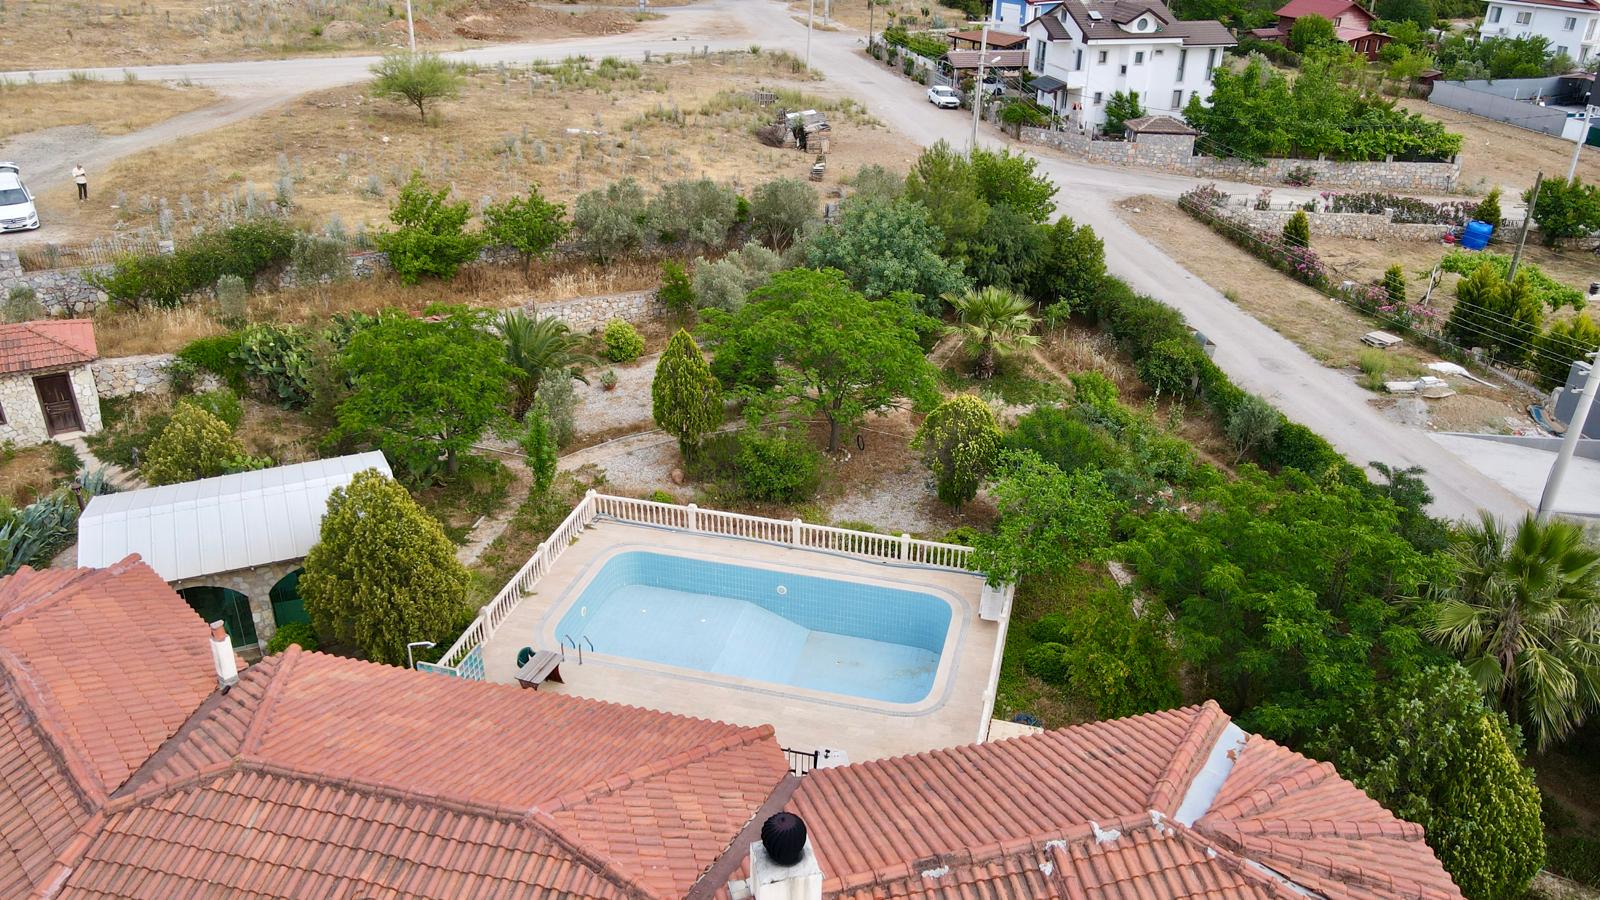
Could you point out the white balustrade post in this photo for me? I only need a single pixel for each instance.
(905, 545)
(794, 532)
(694, 517)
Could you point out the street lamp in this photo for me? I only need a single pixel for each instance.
(977, 86)
(1580, 417)
(411, 660)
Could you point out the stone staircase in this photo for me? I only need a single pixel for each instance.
(116, 476)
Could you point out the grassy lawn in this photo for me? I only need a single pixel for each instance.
(112, 107)
(28, 473)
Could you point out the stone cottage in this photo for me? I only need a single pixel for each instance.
(232, 546)
(47, 387)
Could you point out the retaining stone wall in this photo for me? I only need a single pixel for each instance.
(1175, 153)
(1367, 226)
(119, 376)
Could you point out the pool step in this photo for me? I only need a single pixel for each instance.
(763, 645)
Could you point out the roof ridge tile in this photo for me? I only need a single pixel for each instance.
(255, 732)
(1205, 728)
(86, 783)
(623, 780)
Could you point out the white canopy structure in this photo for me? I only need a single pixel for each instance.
(218, 524)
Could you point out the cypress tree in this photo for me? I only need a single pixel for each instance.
(1297, 231)
(685, 398)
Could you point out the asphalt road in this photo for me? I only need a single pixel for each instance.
(1256, 357)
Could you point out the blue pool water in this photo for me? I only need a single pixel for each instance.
(818, 633)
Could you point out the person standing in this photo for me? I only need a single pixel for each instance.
(82, 178)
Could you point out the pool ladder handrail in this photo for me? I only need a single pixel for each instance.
(575, 646)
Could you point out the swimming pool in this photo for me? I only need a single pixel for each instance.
(844, 637)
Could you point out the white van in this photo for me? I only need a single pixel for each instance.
(17, 212)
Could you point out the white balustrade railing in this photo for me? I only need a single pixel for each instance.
(794, 533)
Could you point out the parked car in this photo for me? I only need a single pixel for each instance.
(944, 97)
(17, 212)
(994, 85)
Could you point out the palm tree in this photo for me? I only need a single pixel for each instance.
(1524, 617)
(993, 320)
(536, 347)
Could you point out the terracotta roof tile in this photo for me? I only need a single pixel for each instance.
(46, 344)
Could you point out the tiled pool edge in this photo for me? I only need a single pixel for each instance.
(961, 614)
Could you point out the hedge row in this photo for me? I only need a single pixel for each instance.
(1144, 327)
(164, 280)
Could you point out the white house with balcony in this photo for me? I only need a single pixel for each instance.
(1083, 51)
(1571, 26)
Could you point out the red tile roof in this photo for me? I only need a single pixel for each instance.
(363, 778)
(1089, 811)
(46, 344)
(97, 669)
(1327, 9)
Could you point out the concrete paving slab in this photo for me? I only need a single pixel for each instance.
(1522, 471)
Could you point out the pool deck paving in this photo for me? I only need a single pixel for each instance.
(957, 713)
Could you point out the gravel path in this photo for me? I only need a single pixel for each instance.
(898, 502)
(626, 406)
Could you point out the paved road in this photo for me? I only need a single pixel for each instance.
(1255, 356)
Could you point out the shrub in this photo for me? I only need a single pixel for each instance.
(383, 573)
(724, 283)
(610, 221)
(1394, 285)
(556, 401)
(782, 211)
(1093, 389)
(222, 403)
(1297, 231)
(319, 261)
(1047, 662)
(277, 360)
(1171, 367)
(216, 355)
(430, 235)
(195, 444)
(1123, 662)
(22, 305)
(539, 448)
(293, 633)
(1301, 448)
(959, 441)
(776, 466)
(1488, 209)
(623, 342)
(165, 280)
(675, 293)
(1062, 440)
(697, 213)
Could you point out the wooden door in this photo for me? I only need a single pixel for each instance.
(59, 405)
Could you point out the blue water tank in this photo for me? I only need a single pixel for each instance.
(1476, 236)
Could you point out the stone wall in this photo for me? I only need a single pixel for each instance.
(119, 376)
(63, 292)
(1367, 226)
(255, 583)
(591, 313)
(1175, 153)
(24, 417)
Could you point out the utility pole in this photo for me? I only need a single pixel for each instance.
(411, 28)
(977, 86)
(812, 14)
(1527, 221)
(1588, 122)
(1569, 443)
(872, 7)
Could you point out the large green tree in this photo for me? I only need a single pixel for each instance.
(885, 246)
(1565, 210)
(943, 182)
(1310, 31)
(1431, 752)
(1523, 615)
(1070, 268)
(1012, 180)
(806, 337)
(782, 211)
(429, 237)
(1048, 522)
(1285, 594)
(383, 573)
(423, 390)
(959, 441)
(530, 225)
(685, 398)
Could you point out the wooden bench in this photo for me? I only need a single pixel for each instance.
(542, 666)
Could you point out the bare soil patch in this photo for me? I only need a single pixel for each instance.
(1494, 153)
(112, 107)
(1326, 329)
(505, 20)
(27, 473)
(567, 128)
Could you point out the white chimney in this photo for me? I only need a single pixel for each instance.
(222, 656)
(777, 872)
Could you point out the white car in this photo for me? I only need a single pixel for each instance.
(944, 98)
(994, 85)
(17, 212)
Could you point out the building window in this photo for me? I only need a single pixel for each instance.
(1337, 21)
(1177, 99)
(1138, 57)
(1524, 17)
(1588, 35)
(1561, 51)
(1102, 57)
(1077, 60)
(1098, 98)
(1038, 57)
(1211, 61)
(1570, 23)
(1494, 14)
(1183, 57)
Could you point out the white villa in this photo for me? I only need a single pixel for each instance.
(1083, 51)
(1569, 25)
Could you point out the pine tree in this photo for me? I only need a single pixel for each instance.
(1394, 284)
(384, 573)
(1488, 209)
(685, 398)
(1471, 317)
(1519, 315)
(1297, 231)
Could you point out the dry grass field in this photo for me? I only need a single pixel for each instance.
(54, 34)
(1493, 153)
(112, 107)
(914, 14)
(567, 127)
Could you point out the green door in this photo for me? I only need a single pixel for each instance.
(232, 607)
(286, 604)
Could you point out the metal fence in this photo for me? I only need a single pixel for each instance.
(464, 658)
(100, 251)
(802, 762)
